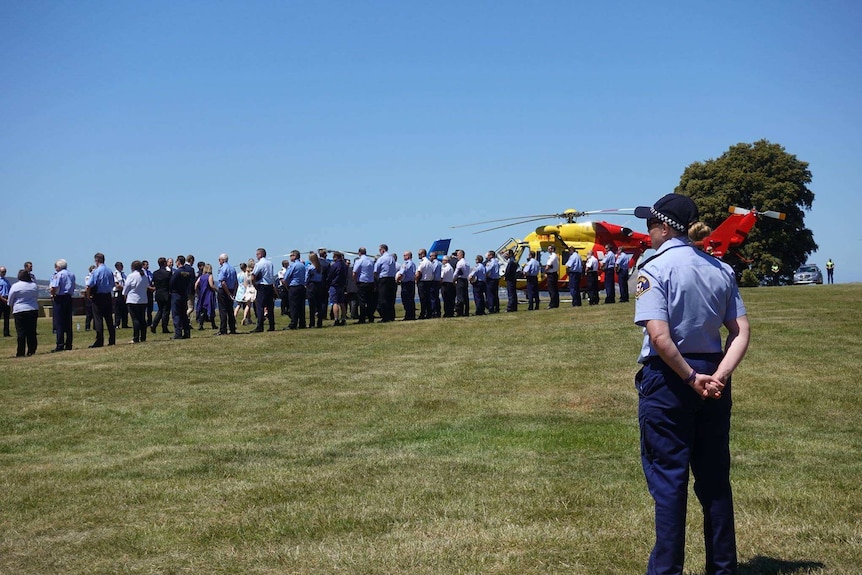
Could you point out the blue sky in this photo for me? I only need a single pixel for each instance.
(142, 129)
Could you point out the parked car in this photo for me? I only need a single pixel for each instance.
(808, 274)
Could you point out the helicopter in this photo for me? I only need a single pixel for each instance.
(733, 231)
(584, 236)
(571, 235)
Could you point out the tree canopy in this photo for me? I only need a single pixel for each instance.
(764, 176)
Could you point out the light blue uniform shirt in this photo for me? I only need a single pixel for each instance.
(408, 272)
(693, 292)
(364, 269)
(295, 274)
(438, 270)
(478, 272)
(311, 274)
(610, 261)
(531, 268)
(264, 268)
(574, 264)
(384, 267)
(64, 281)
(227, 277)
(492, 269)
(4, 287)
(623, 261)
(101, 280)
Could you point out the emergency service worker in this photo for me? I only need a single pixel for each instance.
(683, 298)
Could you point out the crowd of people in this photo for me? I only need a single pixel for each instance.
(310, 290)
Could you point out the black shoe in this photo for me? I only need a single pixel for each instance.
(55, 350)
(96, 345)
(256, 331)
(177, 337)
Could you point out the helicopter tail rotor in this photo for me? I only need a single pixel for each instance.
(769, 214)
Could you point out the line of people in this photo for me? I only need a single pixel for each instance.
(364, 290)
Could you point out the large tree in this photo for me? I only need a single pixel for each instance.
(763, 176)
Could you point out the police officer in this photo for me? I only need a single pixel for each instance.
(227, 283)
(385, 269)
(830, 269)
(363, 273)
(609, 265)
(552, 274)
(574, 270)
(683, 298)
(264, 281)
(62, 288)
(406, 277)
(511, 276)
(623, 261)
(294, 281)
(99, 289)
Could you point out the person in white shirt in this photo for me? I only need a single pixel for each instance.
(592, 271)
(462, 297)
(447, 282)
(552, 271)
(135, 289)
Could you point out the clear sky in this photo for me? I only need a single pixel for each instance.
(141, 129)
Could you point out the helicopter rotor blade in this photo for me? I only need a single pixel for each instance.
(776, 215)
(525, 218)
(512, 224)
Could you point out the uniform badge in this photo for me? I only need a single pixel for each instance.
(643, 286)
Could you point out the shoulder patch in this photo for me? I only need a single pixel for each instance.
(643, 286)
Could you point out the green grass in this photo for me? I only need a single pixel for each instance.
(505, 444)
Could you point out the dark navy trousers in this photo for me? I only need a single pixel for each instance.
(679, 430)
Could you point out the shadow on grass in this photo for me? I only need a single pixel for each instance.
(771, 566)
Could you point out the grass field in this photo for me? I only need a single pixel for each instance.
(502, 444)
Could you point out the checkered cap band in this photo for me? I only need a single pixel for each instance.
(668, 220)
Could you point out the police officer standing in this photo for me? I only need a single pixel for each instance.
(363, 273)
(531, 273)
(830, 269)
(623, 261)
(384, 273)
(162, 284)
(609, 265)
(264, 281)
(683, 298)
(574, 269)
(511, 276)
(99, 289)
(492, 282)
(62, 288)
(227, 285)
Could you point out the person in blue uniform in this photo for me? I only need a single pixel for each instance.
(609, 264)
(683, 299)
(150, 292)
(510, 274)
(623, 261)
(5, 310)
(492, 282)
(62, 288)
(425, 284)
(363, 273)
(227, 284)
(437, 286)
(531, 273)
(294, 281)
(182, 276)
(264, 281)
(477, 278)
(574, 271)
(406, 278)
(385, 269)
(100, 288)
(591, 269)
